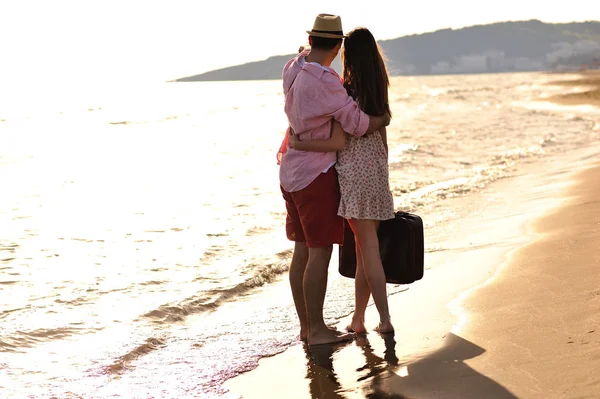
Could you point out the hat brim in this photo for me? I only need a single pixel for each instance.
(325, 35)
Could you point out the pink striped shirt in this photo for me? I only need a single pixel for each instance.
(316, 96)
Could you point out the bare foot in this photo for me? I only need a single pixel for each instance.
(304, 333)
(335, 330)
(385, 327)
(357, 327)
(327, 336)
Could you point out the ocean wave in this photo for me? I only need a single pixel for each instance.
(153, 282)
(441, 190)
(548, 140)
(123, 363)
(417, 194)
(257, 230)
(77, 301)
(260, 274)
(470, 90)
(509, 158)
(413, 186)
(127, 122)
(420, 193)
(285, 254)
(435, 249)
(29, 339)
(213, 251)
(4, 313)
(8, 247)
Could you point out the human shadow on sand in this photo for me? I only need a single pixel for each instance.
(441, 374)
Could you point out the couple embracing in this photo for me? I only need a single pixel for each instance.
(334, 167)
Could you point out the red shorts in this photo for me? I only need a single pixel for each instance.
(312, 212)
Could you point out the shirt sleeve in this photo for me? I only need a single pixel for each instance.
(342, 107)
(284, 80)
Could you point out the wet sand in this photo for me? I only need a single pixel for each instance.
(589, 95)
(529, 329)
(540, 319)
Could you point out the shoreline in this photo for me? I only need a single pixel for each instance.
(540, 316)
(437, 350)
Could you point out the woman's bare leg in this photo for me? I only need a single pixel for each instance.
(365, 232)
(362, 293)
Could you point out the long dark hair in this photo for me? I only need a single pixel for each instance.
(365, 75)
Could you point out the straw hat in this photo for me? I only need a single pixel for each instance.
(328, 26)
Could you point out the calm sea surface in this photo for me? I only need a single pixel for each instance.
(142, 248)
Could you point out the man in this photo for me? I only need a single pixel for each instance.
(314, 95)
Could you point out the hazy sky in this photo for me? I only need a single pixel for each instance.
(161, 40)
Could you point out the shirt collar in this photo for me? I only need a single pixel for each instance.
(314, 68)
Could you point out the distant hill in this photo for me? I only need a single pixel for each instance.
(258, 70)
(500, 47)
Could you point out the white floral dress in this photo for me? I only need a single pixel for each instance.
(363, 174)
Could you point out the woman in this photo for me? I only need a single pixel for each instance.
(362, 169)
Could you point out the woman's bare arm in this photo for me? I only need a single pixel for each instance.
(335, 143)
(383, 132)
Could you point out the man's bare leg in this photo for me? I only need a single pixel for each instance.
(296, 276)
(315, 287)
(297, 269)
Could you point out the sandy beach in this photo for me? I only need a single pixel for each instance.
(539, 319)
(511, 311)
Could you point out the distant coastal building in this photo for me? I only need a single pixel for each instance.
(569, 56)
(495, 61)
(489, 61)
(528, 64)
(564, 56)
